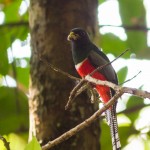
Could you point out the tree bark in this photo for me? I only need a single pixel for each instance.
(50, 22)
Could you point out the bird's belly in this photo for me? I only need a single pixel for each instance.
(84, 68)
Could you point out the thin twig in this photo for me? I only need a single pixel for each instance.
(119, 92)
(14, 72)
(73, 93)
(26, 23)
(135, 27)
(82, 125)
(15, 24)
(131, 78)
(6, 144)
(101, 67)
(133, 91)
(59, 70)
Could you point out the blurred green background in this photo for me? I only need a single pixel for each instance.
(122, 24)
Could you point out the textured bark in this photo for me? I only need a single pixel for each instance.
(50, 22)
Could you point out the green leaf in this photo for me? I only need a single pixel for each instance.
(7, 37)
(101, 1)
(134, 104)
(147, 144)
(124, 133)
(105, 138)
(33, 145)
(11, 11)
(16, 142)
(112, 44)
(135, 101)
(23, 76)
(13, 110)
(133, 14)
(21, 73)
(4, 66)
(1, 80)
(122, 73)
(10, 32)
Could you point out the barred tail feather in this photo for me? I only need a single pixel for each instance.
(112, 122)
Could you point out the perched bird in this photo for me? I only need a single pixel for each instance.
(87, 57)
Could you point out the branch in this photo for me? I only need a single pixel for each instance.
(133, 91)
(126, 27)
(58, 70)
(131, 78)
(73, 93)
(119, 92)
(101, 67)
(6, 144)
(26, 23)
(78, 89)
(15, 24)
(82, 125)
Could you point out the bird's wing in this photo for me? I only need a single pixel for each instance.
(98, 58)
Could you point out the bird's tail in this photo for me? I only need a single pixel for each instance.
(112, 122)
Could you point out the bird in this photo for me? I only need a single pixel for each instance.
(87, 57)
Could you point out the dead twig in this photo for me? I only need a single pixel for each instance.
(131, 78)
(119, 92)
(6, 144)
(133, 91)
(78, 89)
(82, 125)
(101, 67)
(73, 93)
(58, 70)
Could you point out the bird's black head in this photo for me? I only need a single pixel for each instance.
(78, 35)
(80, 43)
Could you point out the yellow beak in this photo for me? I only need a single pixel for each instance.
(72, 36)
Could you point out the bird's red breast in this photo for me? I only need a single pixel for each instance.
(84, 68)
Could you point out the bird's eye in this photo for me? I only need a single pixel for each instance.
(82, 33)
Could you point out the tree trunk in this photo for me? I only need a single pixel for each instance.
(50, 23)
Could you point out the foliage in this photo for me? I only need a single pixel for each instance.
(133, 14)
(13, 100)
(17, 142)
(133, 18)
(33, 145)
(122, 73)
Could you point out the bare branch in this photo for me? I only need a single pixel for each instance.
(131, 78)
(119, 92)
(73, 93)
(59, 70)
(136, 92)
(83, 125)
(6, 144)
(101, 67)
(132, 28)
(135, 27)
(81, 86)
(133, 91)
(15, 24)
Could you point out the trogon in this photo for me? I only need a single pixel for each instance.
(87, 57)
